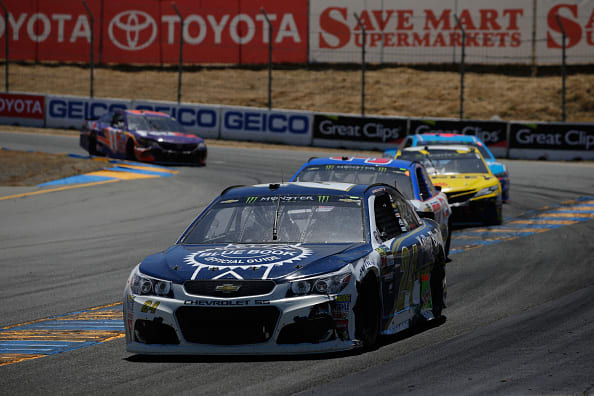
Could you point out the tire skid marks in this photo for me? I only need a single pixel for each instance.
(543, 220)
(39, 338)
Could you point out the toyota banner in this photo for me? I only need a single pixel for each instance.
(148, 31)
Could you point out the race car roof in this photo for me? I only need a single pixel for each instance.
(296, 188)
(387, 162)
(445, 137)
(147, 112)
(430, 147)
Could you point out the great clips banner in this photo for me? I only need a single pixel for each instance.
(148, 31)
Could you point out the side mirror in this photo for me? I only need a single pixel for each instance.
(426, 215)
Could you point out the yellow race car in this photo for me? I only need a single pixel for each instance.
(474, 193)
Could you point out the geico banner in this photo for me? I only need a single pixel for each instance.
(22, 109)
(492, 133)
(277, 126)
(553, 141)
(72, 111)
(425, 31)
(149, 31)
(201, 120)
(337, 130)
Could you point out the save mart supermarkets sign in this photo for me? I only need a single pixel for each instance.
(423, 31)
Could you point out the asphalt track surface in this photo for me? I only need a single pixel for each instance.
(520, 315)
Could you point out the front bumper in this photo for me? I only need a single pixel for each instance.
(474, 209)
(265, 324)
(158, 154)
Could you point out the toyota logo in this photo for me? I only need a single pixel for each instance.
(132, 30)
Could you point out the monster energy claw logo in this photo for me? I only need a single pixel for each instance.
(251, 199)
(323, 198)
(329, 166)
(382, 169)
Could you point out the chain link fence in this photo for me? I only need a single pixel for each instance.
(401, 75)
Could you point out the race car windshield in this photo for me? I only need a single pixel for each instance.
(448, 162)
(301, 219)
(480, 147)
(150, 123)
(359, 174)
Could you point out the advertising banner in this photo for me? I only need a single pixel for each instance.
(426, 31)
(22, 109)
(201, 120)
(261, 125)
(72, 111)
(149, 31)
(492, 133)
(553, 141)
(349, 131)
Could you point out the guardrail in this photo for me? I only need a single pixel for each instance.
(506, 139)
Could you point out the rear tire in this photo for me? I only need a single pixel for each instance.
(367, 313)
(438, 290)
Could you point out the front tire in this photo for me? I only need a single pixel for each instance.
(92, 144)
(494, 215)
(130, 156)
(367, 313)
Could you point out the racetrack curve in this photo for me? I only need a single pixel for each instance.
(520, 318)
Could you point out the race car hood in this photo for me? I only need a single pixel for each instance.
(170, 137)
(250, 261)
(463, 181)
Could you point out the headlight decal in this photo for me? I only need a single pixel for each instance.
(147, 286)
(324, 284)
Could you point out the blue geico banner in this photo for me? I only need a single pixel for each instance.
(201, 120)
(72, 111)
(276, 126)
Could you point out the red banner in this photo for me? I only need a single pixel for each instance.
(148, 31)
(22, 106)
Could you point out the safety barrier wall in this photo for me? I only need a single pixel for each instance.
(521, 140)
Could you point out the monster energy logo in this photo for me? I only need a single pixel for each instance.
(382, 169)
(323, 198)
(329, 166)
(251, 200)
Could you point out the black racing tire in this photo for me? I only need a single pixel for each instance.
(130, 156)
(448, 239)
(92, 144)
(494, 215)
(437, 289)
(368, 313)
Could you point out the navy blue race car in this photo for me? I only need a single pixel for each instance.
(410, 178)
(139, 135)
(288, 268)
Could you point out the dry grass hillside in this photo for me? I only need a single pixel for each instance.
(390, 91)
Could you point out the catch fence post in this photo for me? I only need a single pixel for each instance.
(5, 46)
(270, 28)
(362, 64)
(181, 53)
(92, 55)
(563, 70)
(462, 60)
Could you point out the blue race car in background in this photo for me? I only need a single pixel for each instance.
(497, 168)
(289, 268)
(410, 178)
(138, 135)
